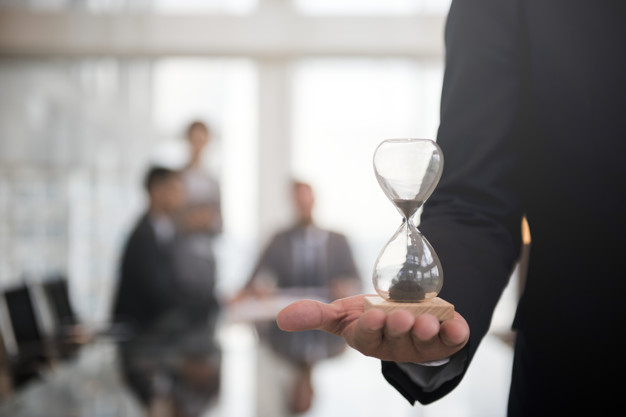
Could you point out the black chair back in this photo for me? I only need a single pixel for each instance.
(58, 298)
(26, 327)
(33, 351)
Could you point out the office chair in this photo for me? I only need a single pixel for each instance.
(33, 351)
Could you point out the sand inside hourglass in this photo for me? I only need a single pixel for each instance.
(404, 287)
(407, 207)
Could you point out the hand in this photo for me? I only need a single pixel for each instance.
(397, 336)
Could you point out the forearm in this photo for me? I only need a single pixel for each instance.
(473, 218)
(433, 381)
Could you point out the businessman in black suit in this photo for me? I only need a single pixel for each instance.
(532, 122)
(172, 360)
(146, 291)
(147, 282)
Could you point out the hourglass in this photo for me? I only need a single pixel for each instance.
(407, 273)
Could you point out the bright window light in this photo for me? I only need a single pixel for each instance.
(369, 7)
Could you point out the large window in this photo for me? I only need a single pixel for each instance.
(343, 108)
(202, 6)
(144, 6)
(73, 136)
(371, 7)
(76, 139)
(221, 92)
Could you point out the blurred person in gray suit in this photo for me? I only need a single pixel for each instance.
(305, 259)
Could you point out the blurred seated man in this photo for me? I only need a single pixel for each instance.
(314, 260)
(171, 362)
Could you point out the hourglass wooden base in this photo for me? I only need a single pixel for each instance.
(439, 308)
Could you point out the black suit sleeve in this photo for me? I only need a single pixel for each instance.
(146, 282)
(473, 218)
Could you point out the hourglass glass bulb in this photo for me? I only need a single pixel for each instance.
(408, 269)
(408, 171)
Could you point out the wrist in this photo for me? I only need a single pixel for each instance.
(439, 362)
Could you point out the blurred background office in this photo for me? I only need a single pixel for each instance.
(92, 92)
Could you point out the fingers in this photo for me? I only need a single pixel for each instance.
(426, 328)
(454, 332)
(398, 330)
(402, 337)
(306, 315)
(333, 317)
(398, 333)
(368, 332)
(399, 324)
(397, 336)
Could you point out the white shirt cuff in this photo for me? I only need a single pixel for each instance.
(433, 374)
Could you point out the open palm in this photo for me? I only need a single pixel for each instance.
(397, 336)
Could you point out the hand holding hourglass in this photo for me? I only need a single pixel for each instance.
(418, 326)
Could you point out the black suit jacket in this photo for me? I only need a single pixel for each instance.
(533, 122)
(146, 288)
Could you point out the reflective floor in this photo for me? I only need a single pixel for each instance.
(351, 384)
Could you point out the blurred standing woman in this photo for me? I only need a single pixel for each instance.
(199, 223)
(203, 213)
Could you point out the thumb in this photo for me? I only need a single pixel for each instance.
(305, 315)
